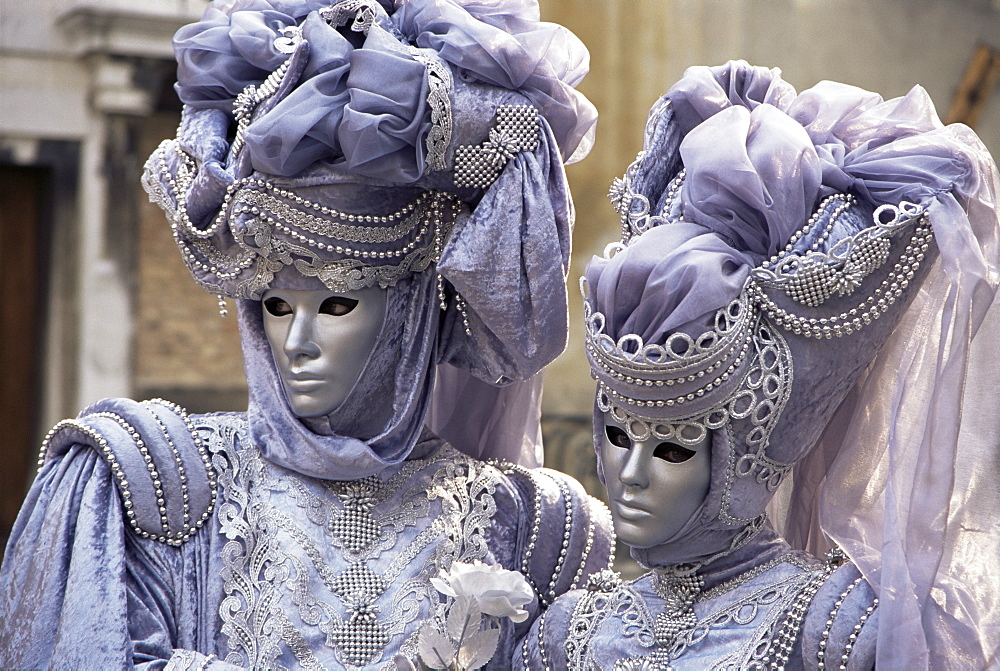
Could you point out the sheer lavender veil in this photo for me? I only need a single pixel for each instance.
(899, 476)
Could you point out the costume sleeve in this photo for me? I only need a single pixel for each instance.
(543, 647)
(566, 535)
(96, 558)
(63, 597)
(841, 624)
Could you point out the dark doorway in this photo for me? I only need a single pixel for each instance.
(23, 196)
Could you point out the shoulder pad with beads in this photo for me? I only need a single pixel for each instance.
(570, 535)
(161, 466)
(840, 628)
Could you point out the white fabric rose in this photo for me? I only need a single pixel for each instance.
(496, 590)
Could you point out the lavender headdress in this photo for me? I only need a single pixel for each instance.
(416, 146)
(803, 269)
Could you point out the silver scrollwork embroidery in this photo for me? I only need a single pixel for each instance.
(287, 582)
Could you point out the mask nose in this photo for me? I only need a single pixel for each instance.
(299, 341)
(635, 467)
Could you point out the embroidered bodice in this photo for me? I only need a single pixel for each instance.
(332, 574)
(282, 570)
(793, 612)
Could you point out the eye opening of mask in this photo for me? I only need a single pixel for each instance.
(277, 307)
(338, 306)
(617, 437)
(673, 453)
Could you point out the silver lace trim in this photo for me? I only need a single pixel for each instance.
(440, 83)
(782, 603)
(515, 130)
(597, 606)
(188, 660)
(361, 14)
(283, 229)
(360, 521)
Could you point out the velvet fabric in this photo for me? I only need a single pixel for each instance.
(733, 624)
(758, 158)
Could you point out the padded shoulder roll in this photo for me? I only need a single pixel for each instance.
(570, 537)
(841, 624)
(161, 466)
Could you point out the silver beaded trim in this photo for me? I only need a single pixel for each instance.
(747, 576)
(866, 311)
(515, 130)
(588, 546)
(292, 213)
(564, 548)
(165, 534)
(634, 208)
(784, 641)
(541, 642)
(250, 98)
(853, 638)
(536, 521)
(825, 638)
(679, 592)
(811, 278)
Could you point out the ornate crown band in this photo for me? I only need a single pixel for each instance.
(262, 228)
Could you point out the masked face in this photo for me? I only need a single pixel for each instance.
(320, 341)
(653, 486)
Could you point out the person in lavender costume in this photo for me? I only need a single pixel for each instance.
(804, 282)
(380, 188)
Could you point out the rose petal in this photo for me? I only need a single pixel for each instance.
(443, 587)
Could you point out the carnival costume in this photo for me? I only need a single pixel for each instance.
(417, 147)
(800, 276)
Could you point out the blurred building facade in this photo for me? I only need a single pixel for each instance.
(95, 301)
